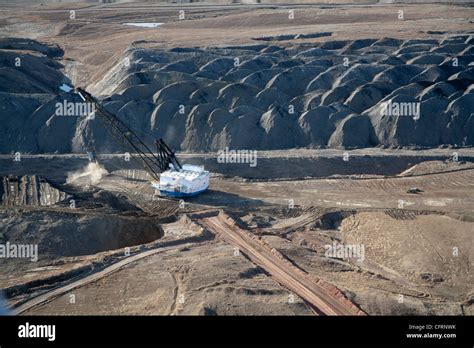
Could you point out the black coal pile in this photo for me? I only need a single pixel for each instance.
(347, 94)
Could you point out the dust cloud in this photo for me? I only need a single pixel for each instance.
(91, 174)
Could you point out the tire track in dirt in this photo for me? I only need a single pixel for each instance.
(178, 277)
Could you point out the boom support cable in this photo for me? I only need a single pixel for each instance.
(153, 164)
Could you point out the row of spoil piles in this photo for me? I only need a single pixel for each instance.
(29, 190)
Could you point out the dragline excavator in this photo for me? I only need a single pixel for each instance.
(168, 176)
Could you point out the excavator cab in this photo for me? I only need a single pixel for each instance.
(168, 175)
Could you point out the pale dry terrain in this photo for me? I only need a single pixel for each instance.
(102, 26)
(421, 252)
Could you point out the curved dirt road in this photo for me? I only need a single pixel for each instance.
(50, 295)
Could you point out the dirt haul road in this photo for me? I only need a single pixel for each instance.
(53, 294)
(324, 298)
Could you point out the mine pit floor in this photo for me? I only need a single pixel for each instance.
(408, 250)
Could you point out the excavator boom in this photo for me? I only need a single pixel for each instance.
(153, 164)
